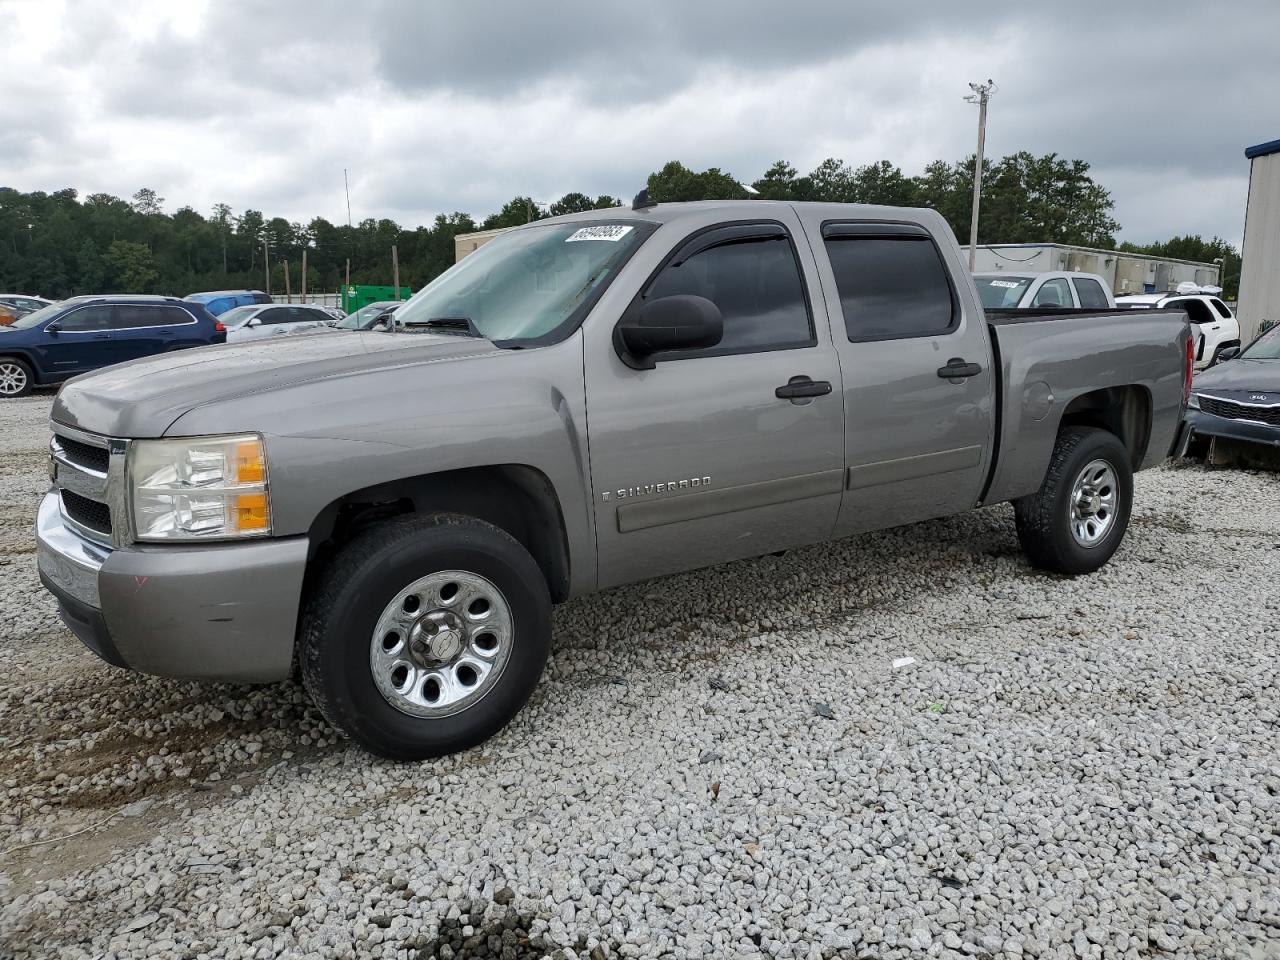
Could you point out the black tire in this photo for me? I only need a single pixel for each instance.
(348, 597)
(1044, 519)
(11, 369)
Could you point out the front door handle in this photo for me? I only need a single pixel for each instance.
(956, 370)
(800, 388)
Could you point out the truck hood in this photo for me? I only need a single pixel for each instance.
(143, 398)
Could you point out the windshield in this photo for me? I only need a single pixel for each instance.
(1266, 347)
(237, 317)
(363, 317)
(525, 285)
(1001, 292)
(36, 317)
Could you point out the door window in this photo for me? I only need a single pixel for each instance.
(753, 278)
(86, 319)
(1054, 293)
(274, 315)
(1090, 293)
(892, 286)
(132, 316)
(1197, 310)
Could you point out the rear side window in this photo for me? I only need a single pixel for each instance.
(86, 318)
(754, 280)
(1221, 308)
(133, 316)
(1054, 293)
(891, 287)
(1090, 292)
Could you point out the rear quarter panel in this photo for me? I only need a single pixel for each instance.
(1045, 364)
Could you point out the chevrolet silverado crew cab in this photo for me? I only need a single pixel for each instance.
(583, 402)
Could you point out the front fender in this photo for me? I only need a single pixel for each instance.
(328, 438)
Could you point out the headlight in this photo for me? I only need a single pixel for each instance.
(199, 488)
(1194, 401)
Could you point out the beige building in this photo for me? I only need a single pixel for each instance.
(1260, 259)
(465, 243)
(1127, 273)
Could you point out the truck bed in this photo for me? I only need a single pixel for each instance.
(1054, 362)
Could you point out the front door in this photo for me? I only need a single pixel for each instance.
(715, 454)
(82, 342)
(915, 358)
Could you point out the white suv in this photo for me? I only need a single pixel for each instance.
(1212, 322)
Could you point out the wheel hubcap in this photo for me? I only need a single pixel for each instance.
(1093, 503)
(13, 379)
(441, 644)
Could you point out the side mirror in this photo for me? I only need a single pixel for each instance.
(53, 327)
(1228, 353)
(680, 322)
(254, 322)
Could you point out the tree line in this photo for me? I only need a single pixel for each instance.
(57, 244)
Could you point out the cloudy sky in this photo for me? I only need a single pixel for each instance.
(442, 105)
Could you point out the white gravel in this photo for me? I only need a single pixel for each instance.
(720, 764)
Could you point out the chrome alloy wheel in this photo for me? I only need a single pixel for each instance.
(1093, 503)
(13, 379)
(441, 644)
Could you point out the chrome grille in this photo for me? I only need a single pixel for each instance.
(85, 455)
(83, 478)
(1233, 410)
(88, 513)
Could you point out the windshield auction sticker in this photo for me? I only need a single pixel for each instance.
(1001, 283)
(612, 232)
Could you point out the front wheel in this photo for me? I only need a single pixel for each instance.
(425, 635)
(15, 377)
(1076, 520)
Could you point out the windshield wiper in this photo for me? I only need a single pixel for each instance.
(444, 323)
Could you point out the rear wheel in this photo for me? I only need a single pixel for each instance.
(1078, 517)
(425, 635)
(15, 377)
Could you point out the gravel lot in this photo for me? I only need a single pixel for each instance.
(726, 763)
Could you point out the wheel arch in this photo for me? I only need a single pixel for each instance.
(517, 498)
(27, 357)
(1125, 411)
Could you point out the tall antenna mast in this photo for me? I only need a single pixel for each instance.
(347, 187)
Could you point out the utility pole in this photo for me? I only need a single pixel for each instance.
(266, 265)
(346, 286)
(395, 270)
(304, 274)
(981, 94)
(288, 293)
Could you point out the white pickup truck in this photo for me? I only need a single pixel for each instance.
(1044, 291)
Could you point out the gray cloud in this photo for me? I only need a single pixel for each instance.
(460, 106)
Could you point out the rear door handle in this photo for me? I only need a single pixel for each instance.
(956, 370)
(798, 388)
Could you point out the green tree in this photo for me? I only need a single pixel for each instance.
(130, 267)
(675, 182)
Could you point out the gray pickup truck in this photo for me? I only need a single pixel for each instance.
(584, 402)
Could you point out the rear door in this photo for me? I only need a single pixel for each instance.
(145, 329)
(916, 366)
(707, 457)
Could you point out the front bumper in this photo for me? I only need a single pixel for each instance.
(212, 611)
(1203, 424)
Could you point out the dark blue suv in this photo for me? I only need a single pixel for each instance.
(85, 333)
